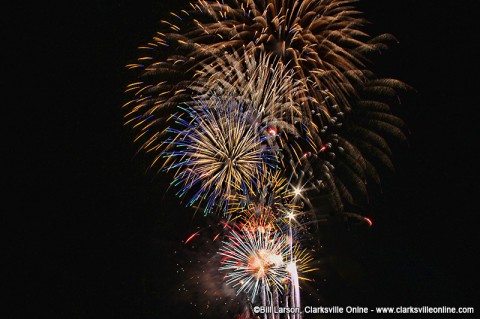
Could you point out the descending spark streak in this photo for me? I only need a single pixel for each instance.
(294, 286)
(191, 237)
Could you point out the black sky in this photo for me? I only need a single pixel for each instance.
(93, 234)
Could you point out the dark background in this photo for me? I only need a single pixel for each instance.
(93, 235)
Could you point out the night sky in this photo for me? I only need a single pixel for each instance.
(93, 233)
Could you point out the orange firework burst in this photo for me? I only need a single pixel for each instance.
(310, 60)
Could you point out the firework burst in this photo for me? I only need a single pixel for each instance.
(269, 194)
(260, 80)
(309, 59)
(255, 262)
(260, 259)
(320, 41)
(218, 147)
(258, 90)
(270, 88)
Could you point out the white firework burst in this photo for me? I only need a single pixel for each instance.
(256, 262)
